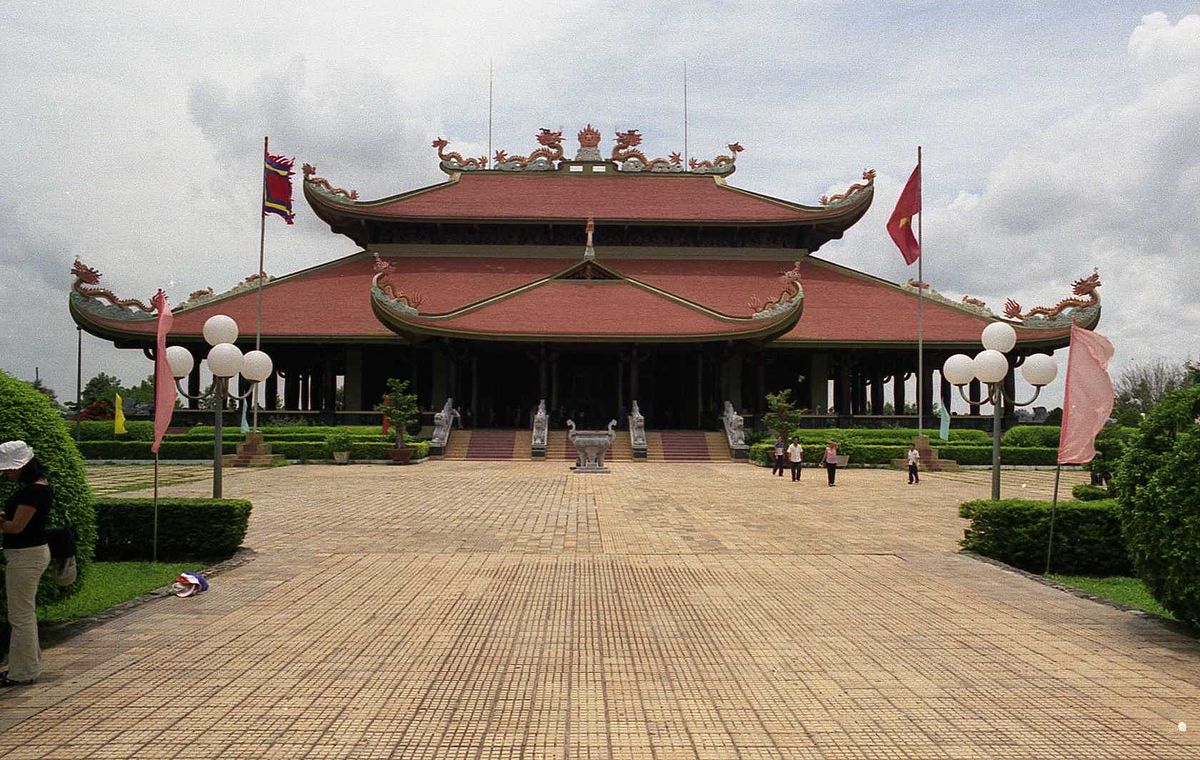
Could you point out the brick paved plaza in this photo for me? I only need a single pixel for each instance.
(502, 610)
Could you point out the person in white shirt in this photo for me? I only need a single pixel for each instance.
(795, 454)
(913, 458)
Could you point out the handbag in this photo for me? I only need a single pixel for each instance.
(62, 554)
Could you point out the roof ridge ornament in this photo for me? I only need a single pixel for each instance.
(630, 159)
(721, 165)
(87, 287)
(589, 252)
(857, 187)
(402, 302)
(1065, 311)
(453, 162)
(310, 176)
(541, 160)
(589, 144)
(792, 292)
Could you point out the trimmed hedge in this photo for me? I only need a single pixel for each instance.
(1009, 455)
(27, 415)
(1087, 535)
(102, 430)
(1031, 436)
(1158, 482)
(1085, 492)
(872, 453)
(318, 432)
(141, 449)
(188, 529)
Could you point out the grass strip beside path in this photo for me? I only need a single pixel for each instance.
(1130, 592)
(108, 584)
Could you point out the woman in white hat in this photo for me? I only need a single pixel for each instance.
(27, 555)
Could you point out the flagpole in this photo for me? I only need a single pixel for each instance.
(491, 80)
(920, 302)
(1053, 510)
(262, 243)
(685, 114)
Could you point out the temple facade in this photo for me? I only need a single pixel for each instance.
(588, 283)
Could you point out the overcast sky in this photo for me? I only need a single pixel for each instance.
(1058, 137)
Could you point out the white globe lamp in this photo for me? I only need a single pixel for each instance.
(1039, 370)
(999, 336)
(181, 361)
(225, 360)
(990, 366)
(959, 369)
(256, 366)
(220, 329)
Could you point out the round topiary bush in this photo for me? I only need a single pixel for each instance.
(27, 415)
(1158, 487)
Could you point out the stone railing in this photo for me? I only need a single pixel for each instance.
(637, 433)
(735, 432)
(541, 425)
(443, 421)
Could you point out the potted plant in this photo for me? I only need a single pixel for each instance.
(339, 442)
(401, 410)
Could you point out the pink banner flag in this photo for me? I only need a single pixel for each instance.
(1089, 396)
(164, 379)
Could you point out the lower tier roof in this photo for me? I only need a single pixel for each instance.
(332, 302)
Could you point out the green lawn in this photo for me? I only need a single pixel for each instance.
(107, 584)
(1128, 591)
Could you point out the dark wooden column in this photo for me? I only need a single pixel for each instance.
(700, 389)
(1010, 390)
(316, 389)
(329, 386)
(474, 389)
(291, 390)
(841, 389)
(876, 390)
(975, 389)
(554, 381)
(543, 387)
(760, 404)
(899, 378)
(620, 388)
(927, 390)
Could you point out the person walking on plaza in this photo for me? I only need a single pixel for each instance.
(795, 454)
(830, 459)
(913, 458)
(27, 555)
(780, 451)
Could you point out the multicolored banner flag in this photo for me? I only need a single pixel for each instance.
(118, 416)
(277, 186)
(899, 226)
(1088, 399)
(164, 379)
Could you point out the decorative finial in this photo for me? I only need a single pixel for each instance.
(589, 252)
(589, 144)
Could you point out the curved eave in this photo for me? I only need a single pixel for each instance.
(419, 326)
(832, 220)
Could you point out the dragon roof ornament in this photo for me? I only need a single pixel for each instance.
(87, 294)
(629, 159)
(322, 184)
(383, 287)
(788, 298)
(721, 165)
(453, 162)
(1084, 309)
(857, 187)
(540, 160)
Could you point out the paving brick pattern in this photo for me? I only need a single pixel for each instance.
(507, 609)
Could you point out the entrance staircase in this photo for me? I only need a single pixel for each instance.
(686, 446)
(485, 445)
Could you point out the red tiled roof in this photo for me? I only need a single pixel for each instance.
(612, 197)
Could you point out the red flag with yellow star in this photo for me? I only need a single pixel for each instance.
(900, 225)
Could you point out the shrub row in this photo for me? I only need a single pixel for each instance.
(188, 529)
(359, 449)
(895, 436)
(1087, 535)
(1085, 492)
(318, 432)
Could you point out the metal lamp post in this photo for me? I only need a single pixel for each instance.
(990, 367)
(225, 361)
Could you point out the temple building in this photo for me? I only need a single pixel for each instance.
(590, 283)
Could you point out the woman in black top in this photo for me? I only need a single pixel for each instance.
(27, 556)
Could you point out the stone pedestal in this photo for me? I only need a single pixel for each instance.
(253, 453)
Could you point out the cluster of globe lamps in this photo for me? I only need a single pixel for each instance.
(225, 361)
(990, 367)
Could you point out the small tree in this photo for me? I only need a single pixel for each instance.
(400, 408)
(1158, 487)
(102, 387)
(782, 416)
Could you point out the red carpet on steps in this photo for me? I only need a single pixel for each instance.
(491, 444)
(685, 446)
